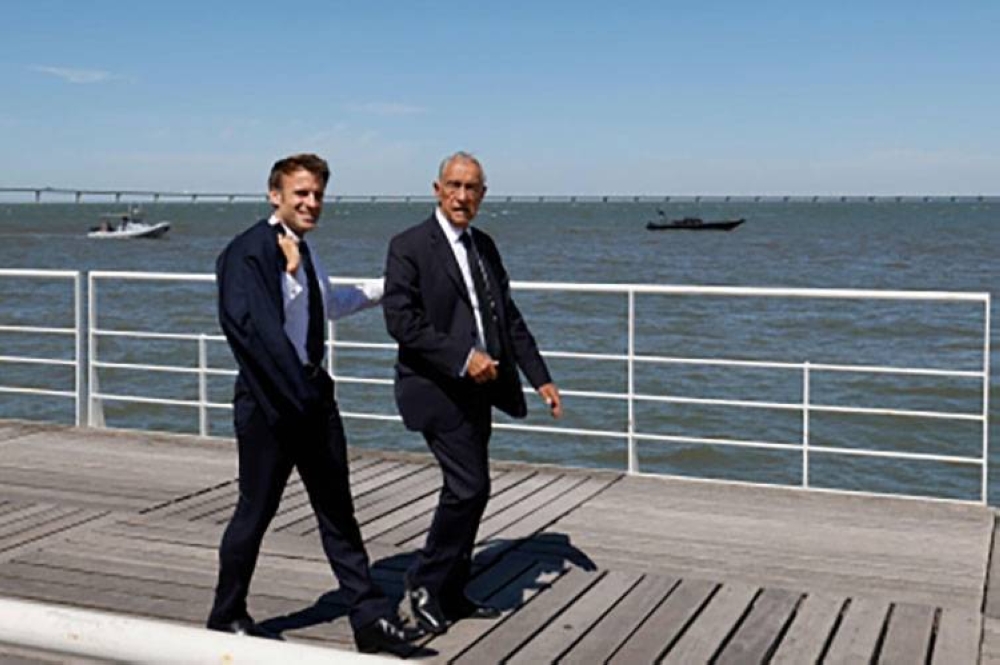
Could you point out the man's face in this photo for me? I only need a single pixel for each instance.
(459, 191)
(299, 201)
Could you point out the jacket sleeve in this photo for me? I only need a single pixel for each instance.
(348, 299)
(406, 317)
(252, 324)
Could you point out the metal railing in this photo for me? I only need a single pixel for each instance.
(75, 392)
(804, 372)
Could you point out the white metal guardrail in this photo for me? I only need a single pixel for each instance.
(803, 372)
(75, 391)
(59, 629)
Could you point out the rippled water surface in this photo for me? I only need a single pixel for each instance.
(882, 245)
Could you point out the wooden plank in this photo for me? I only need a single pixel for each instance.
(666, 622)
(991, 606)
(411, 534)
(26, 512)
(703, 638)
(67, 519)
(421, 480)
(542, 517)
(758, 633)
(500, 519)
(296, 511)
(908, 635)
(558, 636)
(598, 645)
(197, 502)
(857, 637)
(106, 484)
(166, 560)
(541, 511)
(409, 521)
(812, 626)
(507, 637)
(958, 638)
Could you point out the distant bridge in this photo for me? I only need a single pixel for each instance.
(118, 195)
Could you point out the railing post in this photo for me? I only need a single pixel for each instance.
(92, 389)
(633, 460)
(986, 404)
(202, 386)
(805, 424)
(81, 401)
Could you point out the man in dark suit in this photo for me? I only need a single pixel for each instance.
(273, 302)
(461, 341)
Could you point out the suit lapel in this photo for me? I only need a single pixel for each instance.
(271, 255)
(443, 253)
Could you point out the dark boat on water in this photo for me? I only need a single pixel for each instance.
(694, 224)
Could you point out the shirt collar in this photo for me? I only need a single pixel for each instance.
(274, 221)
(452, 232)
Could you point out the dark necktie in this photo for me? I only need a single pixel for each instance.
(314, 334)
(487, 306)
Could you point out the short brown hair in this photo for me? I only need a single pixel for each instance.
(308, 161)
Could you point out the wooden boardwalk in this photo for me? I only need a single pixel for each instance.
(587, 566)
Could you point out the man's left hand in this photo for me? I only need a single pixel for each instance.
(550, 394)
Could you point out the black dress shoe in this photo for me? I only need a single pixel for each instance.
(385, 634)
(244, 626)
(467, 608)
(426, 611)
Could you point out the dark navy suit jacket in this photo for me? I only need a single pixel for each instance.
(429, 313)
(252, 316)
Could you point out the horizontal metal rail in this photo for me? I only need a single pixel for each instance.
(630, 360)
(75, 332)
(127, 639)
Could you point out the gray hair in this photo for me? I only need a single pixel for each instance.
(460, 156)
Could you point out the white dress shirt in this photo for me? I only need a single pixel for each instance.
(338, 302)
(454, 234)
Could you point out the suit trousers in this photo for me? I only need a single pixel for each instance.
(444, 563)
(317, 449)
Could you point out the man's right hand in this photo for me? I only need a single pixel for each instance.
(482, 367)
(290, 249)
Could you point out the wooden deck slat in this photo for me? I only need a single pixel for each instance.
(598, 644)
(541, 514)
(199, 503)
(666, 622)
(908, 635)
(294, 512)
(811, 628)
(758, 634)
(704, 637)
(857, 637)
(130, 522)
(507, 637)
(416, 517)
(576, 620)
(411, 533)
(69, 519)
(26, 512)
(422, 479)
(958, 637)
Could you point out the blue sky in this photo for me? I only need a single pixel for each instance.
(554, 97)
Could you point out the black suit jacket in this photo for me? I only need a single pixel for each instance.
(252, 316)
(429, 313)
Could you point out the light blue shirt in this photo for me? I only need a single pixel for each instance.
(338, 302)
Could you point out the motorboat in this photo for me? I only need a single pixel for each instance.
(129, 224)
(694, 224)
